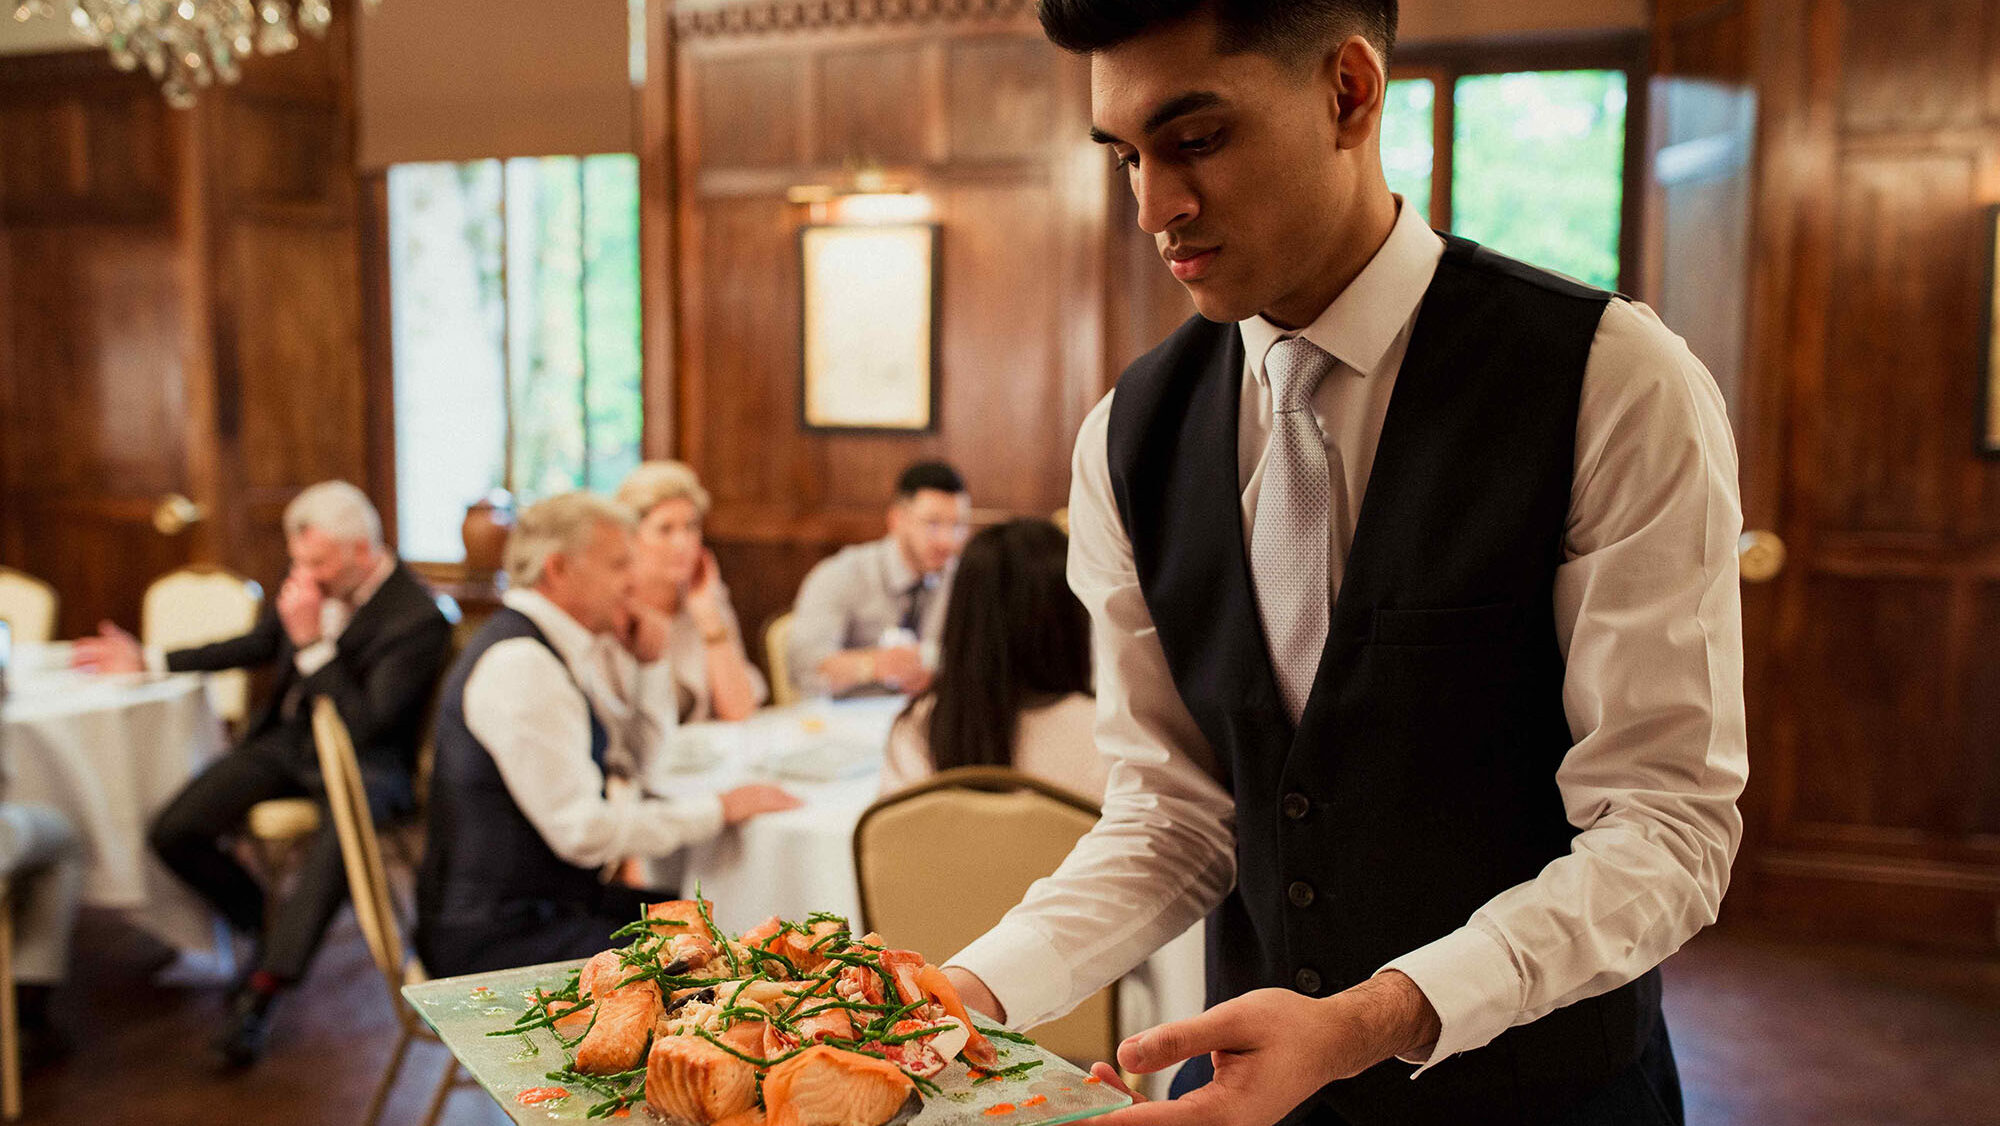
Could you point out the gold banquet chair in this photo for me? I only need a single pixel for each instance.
(918, 899)
(196, 605)
(777, 654)
(374, 906)
(28, 606)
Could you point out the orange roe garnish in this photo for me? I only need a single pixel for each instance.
(534, 1096)
(1093, 1080)
(998, 1109)
(1036, 1101)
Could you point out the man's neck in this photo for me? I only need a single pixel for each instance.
(1373, 219)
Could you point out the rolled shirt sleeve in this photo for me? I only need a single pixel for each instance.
(1649, 615)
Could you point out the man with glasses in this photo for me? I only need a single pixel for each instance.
(866, 618)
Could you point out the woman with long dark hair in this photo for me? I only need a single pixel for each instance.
(1013, 677)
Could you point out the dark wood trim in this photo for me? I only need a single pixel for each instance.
(763, 17)
(1597, 50)
(378, 345)
(658, 266)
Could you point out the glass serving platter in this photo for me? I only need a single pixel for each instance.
(462, 1010)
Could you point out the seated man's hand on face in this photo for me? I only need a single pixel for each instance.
(299, 602)
(111, 651)
(744, 802)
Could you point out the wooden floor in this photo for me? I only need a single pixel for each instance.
(1768, 1034)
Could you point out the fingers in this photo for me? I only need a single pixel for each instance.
(1191, 1110)
(1168, 1044)
(1106, 1074)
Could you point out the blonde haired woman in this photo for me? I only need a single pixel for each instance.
(676, 575)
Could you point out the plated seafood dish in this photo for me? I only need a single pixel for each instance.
(788, 1024)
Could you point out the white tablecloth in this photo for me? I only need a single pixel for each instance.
(109, 752)
(829, 754)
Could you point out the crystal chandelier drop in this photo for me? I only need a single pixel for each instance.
(186, 44)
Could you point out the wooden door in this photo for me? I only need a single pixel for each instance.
(93, 334)
(1874, 678)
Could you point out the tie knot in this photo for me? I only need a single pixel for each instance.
(1295, 367)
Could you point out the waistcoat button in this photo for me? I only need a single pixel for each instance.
(1296, 806)
(1307, 981)
(1300, 893)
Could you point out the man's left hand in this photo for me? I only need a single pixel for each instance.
(1274, 1048)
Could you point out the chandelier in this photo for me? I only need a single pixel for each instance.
(186, 44)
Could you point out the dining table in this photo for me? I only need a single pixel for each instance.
(829, 754)
(108, 751)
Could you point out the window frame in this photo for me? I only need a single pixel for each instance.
(1445, 63)
(378, 315)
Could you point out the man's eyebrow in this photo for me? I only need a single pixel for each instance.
(1178, 106)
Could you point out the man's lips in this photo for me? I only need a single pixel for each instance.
(1188, 263)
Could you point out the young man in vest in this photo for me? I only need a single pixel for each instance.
(548, 758)
(1449, 769)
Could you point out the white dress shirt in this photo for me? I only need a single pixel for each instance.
(1647, 613)
(855, 599)
(528, 707)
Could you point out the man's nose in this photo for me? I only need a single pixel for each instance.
(1165, 199)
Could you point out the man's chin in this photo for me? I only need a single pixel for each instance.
(1218, 304)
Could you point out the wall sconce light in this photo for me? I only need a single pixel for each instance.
(870, 198)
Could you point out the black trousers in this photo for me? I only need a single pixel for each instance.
(189, 833)
(529, 932)
(1646, 1094)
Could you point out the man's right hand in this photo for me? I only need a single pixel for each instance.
(902, 668)
(111, 651)
(744, 802)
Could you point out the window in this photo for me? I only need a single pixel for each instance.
(514, 294)
(1531, 162)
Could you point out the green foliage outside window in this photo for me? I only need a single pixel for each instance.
(1539, 168)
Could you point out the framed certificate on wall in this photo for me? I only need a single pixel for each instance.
(868, 333)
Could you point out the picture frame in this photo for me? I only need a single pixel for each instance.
(1989, 337)
(868, 327)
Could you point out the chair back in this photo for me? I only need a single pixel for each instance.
(28, 606)
(777, 653)
(909, 857)
(360, 848)
(192, 606)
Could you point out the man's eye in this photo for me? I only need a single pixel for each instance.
(1202, 144)
(1124, 163)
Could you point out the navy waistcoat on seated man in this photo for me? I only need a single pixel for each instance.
(485, 864)
(1420, 780)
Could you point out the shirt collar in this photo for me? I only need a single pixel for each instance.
(1368, 316)
(573, 643)
(374, 581)
(902, 576)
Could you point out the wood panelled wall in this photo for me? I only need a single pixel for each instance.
(179, 313)
(1875, 689)
(965, 102)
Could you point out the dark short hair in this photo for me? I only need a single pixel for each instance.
(1284, 29)
(929, 475)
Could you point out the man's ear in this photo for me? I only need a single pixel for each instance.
(1357, 84)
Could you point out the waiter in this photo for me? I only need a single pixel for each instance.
(1419, 645)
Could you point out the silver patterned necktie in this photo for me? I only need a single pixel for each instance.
(1289, 541)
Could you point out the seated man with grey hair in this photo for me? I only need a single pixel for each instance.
(350, 623)
(549, 756)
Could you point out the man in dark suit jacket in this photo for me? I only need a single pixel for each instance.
(350, 623)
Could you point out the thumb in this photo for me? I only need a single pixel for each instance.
(1168, 1044)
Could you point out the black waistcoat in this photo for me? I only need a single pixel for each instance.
(1420, 780)
(483, 854)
